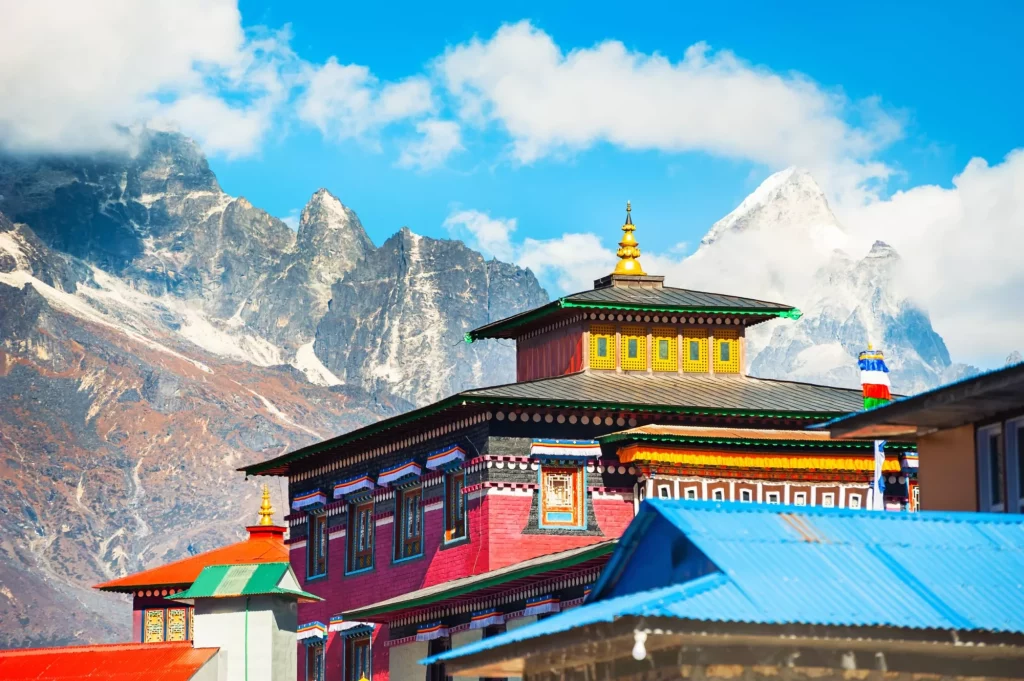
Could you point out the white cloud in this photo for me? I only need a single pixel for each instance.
(553, 102)
(75, 74)
(346, 101)
(438, 141)
(570, 262)
(962, 250)
(292, 219)
(490, 236)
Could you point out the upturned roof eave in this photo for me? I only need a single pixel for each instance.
(503, 327)
(278, 465)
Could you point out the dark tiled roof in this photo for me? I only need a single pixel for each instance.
(690, 391)
(701, 394)
(674, 298)
(667, 299)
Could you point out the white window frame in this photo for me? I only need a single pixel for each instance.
(773, 498)
(718, 494)
(984, 468)
(853, 501)
(664, 492)
(799, 498)
(1014, 462)
(746, 496)
(828, 500)
(691, 493)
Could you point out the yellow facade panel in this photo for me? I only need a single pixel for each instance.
(695, 351)
(602, 346)
(633, 348)
(727, 351)
(664, 350)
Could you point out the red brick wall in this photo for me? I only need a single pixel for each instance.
(495, 530)
(343, 592)
(508, 516)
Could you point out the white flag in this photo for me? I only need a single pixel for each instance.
(878, 485)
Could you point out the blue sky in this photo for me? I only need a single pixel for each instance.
(944, 67)
(523, 127)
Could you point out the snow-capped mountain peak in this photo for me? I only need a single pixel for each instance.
(789, 204)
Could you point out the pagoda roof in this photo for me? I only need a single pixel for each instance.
(744, 437)
(121, 661)
(264, 545)
(696, 394)
(666, 300)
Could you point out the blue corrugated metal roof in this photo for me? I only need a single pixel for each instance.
(809, 565)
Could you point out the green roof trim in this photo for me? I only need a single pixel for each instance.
(229, 581)
(465, 399)
(803, 444)
(566, 303)
(757, 312)
(484, 581)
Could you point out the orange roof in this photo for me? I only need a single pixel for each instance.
(264, 545)
(116, 662)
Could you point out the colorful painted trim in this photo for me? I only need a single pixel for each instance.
(708, 459)
(486, 618)
(312, 633)
(874, 377)
(565, 448)
(315, 498)
(348, 627)
(402, 470)
(429, 632)
(446, 457)
(541, 605)
(353, 485)
(909, 462)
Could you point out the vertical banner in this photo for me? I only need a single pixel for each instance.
(878, 483)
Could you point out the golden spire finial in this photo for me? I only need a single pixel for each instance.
(266, 510)
(870, 346)
(629, 249)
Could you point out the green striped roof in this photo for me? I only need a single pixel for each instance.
(226, 581)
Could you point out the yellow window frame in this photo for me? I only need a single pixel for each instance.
(667, 337)
(727, 338)
(699, 365)
(607, 332)
(639, 335)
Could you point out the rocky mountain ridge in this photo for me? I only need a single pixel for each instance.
(156, 333)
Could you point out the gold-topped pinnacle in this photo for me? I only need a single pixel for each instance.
(266, 510)
(629, 249)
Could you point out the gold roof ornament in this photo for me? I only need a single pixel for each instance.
(266, 510)
(629, 249)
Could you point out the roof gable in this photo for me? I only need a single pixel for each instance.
(229, 581)
(261, 548)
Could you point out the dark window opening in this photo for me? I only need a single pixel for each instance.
(316, 546)
(454, 506)
(360, 536)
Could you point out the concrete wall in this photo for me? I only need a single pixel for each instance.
(404, 662)
(948, 473)
(268, 640)
(463, 638)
